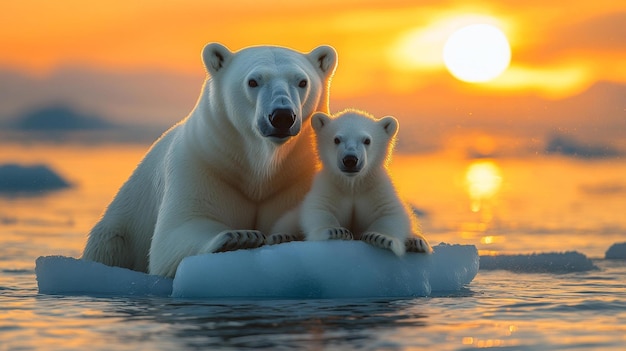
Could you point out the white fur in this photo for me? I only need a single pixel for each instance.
(362, 202)
(217, 175)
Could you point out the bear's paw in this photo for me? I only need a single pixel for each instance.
(384, 242)
(279, 238)
(416, 244)
(339, 233)
(232, 240)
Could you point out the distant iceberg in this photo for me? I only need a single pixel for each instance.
(560, 144)
(554, 262)
(617, 251)
(15, 178)
(59, 117)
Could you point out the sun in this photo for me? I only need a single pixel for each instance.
(477, 53)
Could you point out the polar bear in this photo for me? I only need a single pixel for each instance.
(353, 195)
(220, 178)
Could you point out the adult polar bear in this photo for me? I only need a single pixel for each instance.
(220, 178)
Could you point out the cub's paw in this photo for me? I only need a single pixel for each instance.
(280, 238)
(417, 244)
(384, 242)
(232, 240)
(339, 233)
(329, 233)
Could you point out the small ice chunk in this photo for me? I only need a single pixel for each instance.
(16, 179)
(554, 262)
(67, 275)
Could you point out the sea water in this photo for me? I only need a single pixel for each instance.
(520, 311)
(534, 209)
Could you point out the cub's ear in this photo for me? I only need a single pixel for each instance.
(324, 59)
(390, 125)
(215, 57)
(319, 120)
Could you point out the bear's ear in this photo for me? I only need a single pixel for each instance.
(390, 125)
(324, 59)
(215, 57)
(319, 120)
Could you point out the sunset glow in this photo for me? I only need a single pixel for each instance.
(422, 47)
(139, 63)
(169, 36)
(510, 159)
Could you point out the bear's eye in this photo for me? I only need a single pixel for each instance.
(253, 83)
(367, 141)
(337, 141)
(302, 83)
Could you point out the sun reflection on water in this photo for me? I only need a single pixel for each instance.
(483, 181)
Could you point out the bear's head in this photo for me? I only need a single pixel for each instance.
(269, 91)
(352, 143)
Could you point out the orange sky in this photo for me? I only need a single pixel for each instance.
(387, 49)
(576, 45)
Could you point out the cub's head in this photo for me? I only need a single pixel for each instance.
(352, 142)
(269, 91)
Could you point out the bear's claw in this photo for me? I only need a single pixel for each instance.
(378, 240)
(416, 245)
(241, 239)
(280, 238)
(339, 234)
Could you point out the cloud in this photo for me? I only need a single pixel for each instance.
(158, 98)
(58, 118)
(606, 33)
(591, 42)
(563, 145)
(434, 115)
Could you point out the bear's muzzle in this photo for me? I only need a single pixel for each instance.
(282, 125)
(350, 164)
(282, 119)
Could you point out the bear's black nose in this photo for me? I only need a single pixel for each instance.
(282, 118)
(350, 161)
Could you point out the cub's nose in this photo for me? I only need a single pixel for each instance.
(350, 162)
(282, 118)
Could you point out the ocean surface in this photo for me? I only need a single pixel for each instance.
(523, 205)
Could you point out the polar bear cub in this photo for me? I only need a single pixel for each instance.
(352, 194)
